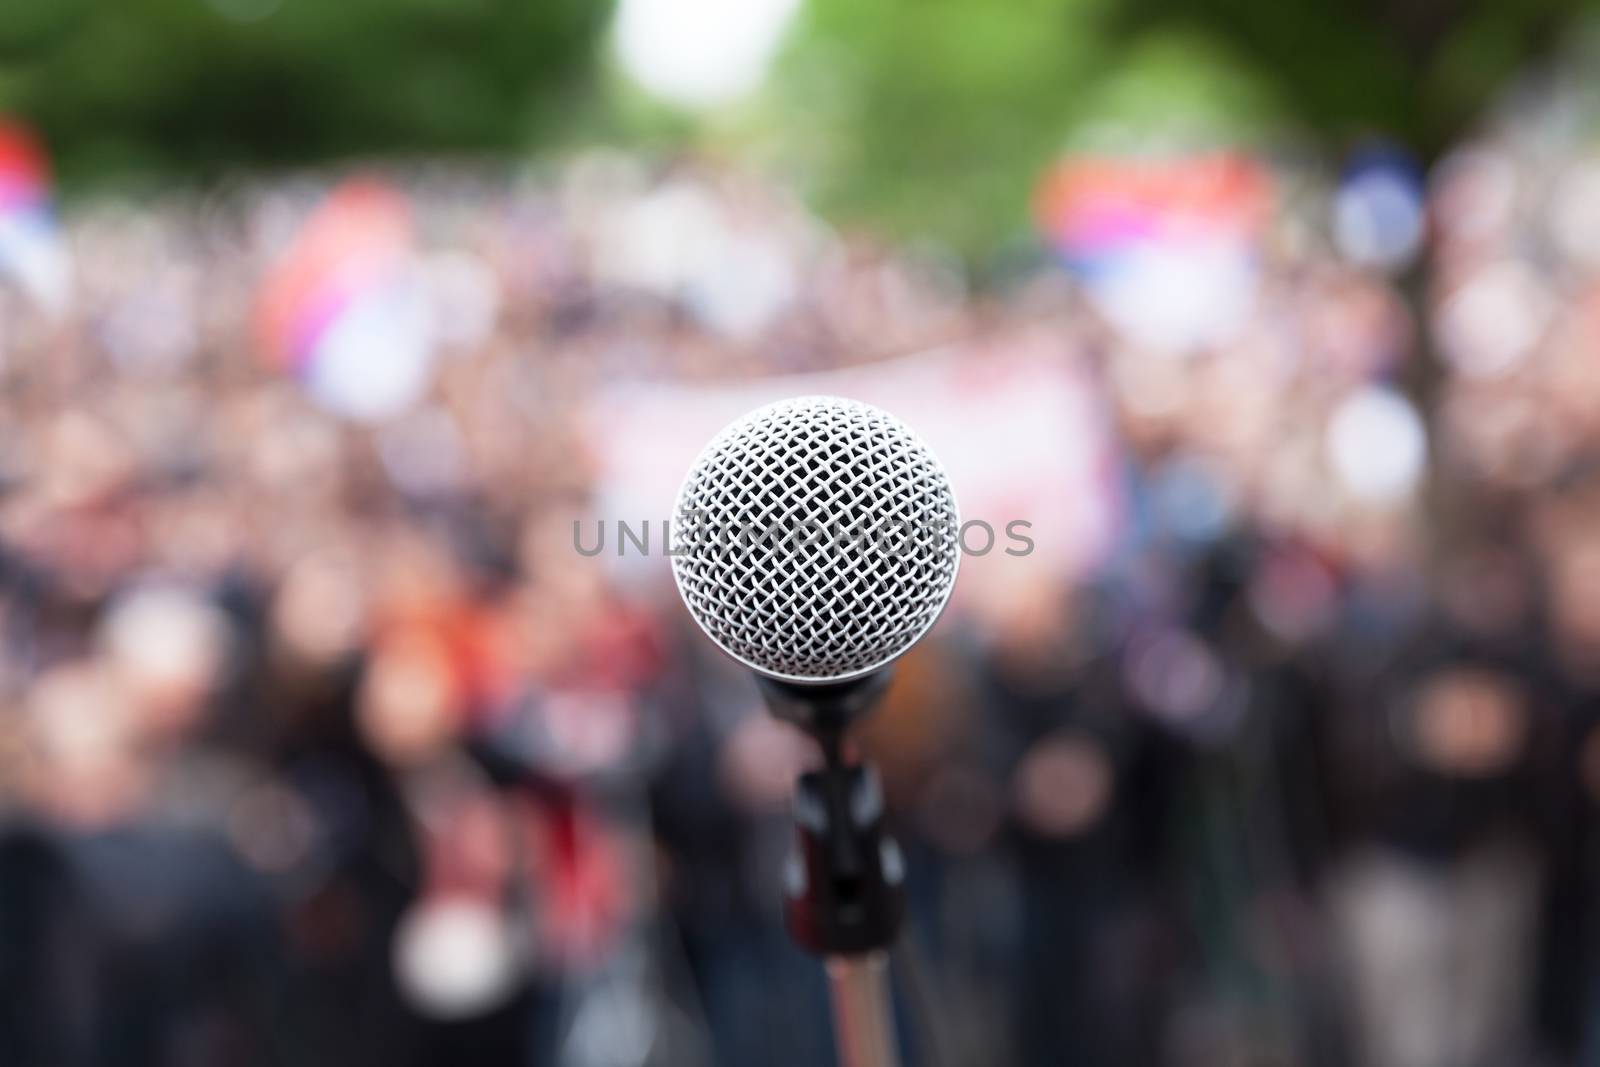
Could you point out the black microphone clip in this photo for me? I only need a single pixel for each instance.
(844, 884)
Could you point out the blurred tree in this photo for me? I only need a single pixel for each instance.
(940, 115)
(1418, 71)
(919, 114)
(118, 85)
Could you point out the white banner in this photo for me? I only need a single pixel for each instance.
(1016, 422)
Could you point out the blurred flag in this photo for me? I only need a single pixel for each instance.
(32, 252)
(1164, 248)
(1378, 211)
(344, 310)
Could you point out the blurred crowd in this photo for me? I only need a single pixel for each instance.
(320, 744)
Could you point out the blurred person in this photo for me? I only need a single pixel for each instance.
(1221, 658)
(720, 812)
(948, 813)
(346, 875)
(1440, 767)
(1570, 566)
(1085, 784)
(182, 956)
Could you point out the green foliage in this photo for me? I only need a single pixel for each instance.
(1420, 73)
(919, 115)
(125, 85)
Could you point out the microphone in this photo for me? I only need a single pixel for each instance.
(816, 540)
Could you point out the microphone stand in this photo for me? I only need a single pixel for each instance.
(844, 883)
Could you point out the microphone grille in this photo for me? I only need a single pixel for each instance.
(815, 539)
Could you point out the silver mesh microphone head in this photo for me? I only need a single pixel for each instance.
(815, 539)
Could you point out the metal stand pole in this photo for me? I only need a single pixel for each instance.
(845, 880)
(861, 1015)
